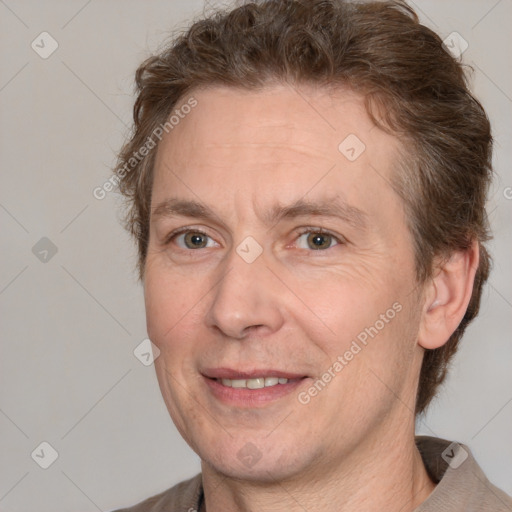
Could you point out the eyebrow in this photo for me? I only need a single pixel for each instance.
(330, 207)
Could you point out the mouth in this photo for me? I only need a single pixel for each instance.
(257, 383)
(251, 389)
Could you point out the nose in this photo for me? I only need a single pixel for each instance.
(247, 299)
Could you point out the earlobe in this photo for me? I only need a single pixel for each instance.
(447, 297)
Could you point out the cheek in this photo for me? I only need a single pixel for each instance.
(170, 303)
(366, 320)
(343, 303)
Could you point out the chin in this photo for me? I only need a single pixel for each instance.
(264, 473)
(256, 461)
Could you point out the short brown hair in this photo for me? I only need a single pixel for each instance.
(407, 77)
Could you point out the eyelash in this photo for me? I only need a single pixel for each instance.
(302, 231)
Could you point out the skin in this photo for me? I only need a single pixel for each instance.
(294, 308)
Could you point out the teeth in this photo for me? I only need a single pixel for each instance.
(258, 383)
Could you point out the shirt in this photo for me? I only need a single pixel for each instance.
(461, 485)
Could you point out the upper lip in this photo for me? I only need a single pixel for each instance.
(229, 373)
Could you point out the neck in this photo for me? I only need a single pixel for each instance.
(385, 474)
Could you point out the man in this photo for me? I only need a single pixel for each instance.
(307, 185)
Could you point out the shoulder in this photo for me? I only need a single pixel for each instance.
(184, 497)
(461, 484)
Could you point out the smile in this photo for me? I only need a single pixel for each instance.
(251, 389)
(256, 383)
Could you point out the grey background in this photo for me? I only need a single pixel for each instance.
(69, 325)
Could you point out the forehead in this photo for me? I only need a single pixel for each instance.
(310, 120)
(282, 141)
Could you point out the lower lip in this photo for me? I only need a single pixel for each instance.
(244, 397)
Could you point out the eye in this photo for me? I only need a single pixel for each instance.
(311, 238)
(317, 239)
(191, 239)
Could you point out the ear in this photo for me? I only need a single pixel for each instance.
(447, 296)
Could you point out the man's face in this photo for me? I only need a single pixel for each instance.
(300, 246)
